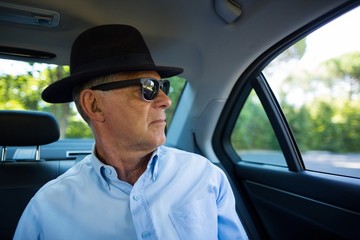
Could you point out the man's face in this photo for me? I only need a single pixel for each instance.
(131, 121)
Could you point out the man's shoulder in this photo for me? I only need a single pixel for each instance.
(67, 178)
(182, 157)
(165, 150)
(189, 164)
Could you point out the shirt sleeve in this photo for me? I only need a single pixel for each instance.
(229, 225)
(28, 226)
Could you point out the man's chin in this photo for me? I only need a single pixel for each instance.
(160, 140)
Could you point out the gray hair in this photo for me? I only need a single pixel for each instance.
(86, 85)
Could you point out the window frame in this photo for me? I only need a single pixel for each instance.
(252, 77)
(275, 117)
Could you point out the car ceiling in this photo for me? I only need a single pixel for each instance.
(182, 33)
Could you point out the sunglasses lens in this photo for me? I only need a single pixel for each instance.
(165, 87)
(150, 89)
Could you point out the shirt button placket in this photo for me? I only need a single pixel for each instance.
(140, 212)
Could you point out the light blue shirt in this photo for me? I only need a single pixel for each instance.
(180, 196)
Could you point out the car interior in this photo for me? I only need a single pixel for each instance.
(295, 172)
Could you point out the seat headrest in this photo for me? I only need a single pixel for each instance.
(27, 128)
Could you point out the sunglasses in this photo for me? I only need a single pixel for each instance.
(149, 86)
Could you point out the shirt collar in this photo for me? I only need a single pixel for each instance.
(153, 164)
(108, 173)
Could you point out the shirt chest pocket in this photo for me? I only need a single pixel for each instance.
(196, 220)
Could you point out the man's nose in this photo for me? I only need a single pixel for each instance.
(162, 100)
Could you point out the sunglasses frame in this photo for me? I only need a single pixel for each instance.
(158, 84)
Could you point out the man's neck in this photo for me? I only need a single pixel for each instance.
(129, 165)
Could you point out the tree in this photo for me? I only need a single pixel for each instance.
(60, 111)
(323, 117)
(18, 92)
(23, 92)
(347, 67)
(252, 129)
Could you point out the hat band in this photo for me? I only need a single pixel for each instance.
(130, 61)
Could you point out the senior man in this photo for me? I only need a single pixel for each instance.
(131, 186)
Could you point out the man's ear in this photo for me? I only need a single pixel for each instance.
(92, 105)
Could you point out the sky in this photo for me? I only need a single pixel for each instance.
(323, 43)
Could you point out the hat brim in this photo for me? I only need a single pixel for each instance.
(61, 90)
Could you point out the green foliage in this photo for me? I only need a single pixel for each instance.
(18, 92)
(322, 108)
(325, 126)
(252, 129)
(317, 126)
(77, 128)
(301, 122)
(347, 67)
(23, 92)
(62, 111)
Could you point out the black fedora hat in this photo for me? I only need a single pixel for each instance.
(104, 50)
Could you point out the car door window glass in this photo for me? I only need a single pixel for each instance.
(253, 138)
(317, 83)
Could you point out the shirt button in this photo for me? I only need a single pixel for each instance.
(145, 234)
(136, 197)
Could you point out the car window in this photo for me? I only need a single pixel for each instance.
(317, 83)
(253, 138)
(176, 88)
(21, 84)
